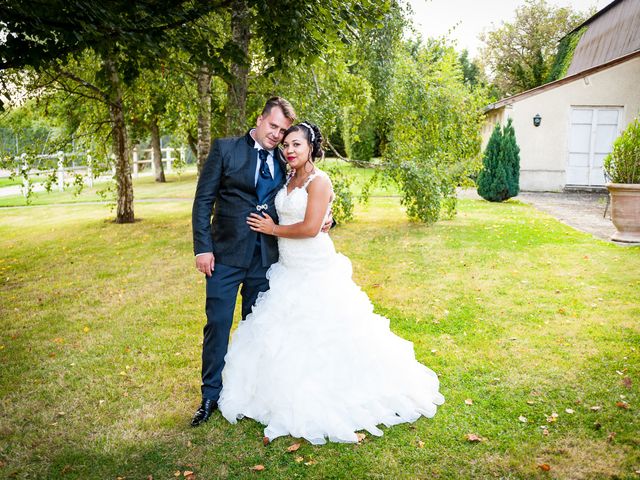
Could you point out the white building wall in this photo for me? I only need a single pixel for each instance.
(544, 149)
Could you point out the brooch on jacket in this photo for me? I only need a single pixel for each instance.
(262, 207)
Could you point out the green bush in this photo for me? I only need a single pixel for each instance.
(623, 163)
(499, 178)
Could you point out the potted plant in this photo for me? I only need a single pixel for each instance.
(623, 168)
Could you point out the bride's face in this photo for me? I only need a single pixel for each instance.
(296, 149)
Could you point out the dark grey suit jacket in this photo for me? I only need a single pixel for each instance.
(225, 196)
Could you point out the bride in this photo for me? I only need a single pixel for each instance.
(313, 360)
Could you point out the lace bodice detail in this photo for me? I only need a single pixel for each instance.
(291, 208)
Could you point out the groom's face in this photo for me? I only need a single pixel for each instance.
(270, 128)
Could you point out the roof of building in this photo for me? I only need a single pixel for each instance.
(568, 79)
(611, 33)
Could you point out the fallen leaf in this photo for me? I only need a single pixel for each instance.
(611, 436)
(265, 441)
(569, 410)
(545, 432)
(420, 444)
(311, 462)
(468, 401)
(257, 468)
(544, 467)
(623, 405)
(530, 402)
(293, 448)
(595, 408)
(186, 473)
(299, 459)
(177, 473)
(472, 437)
(626, 381)
(522, 418)
(361, 436)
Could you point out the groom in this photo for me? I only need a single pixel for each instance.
(240, 176)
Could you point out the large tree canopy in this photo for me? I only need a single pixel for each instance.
(520, 54)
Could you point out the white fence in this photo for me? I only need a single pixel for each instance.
(142, 159)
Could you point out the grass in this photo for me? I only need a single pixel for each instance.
(101, 327)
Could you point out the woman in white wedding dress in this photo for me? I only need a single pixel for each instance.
(313, 360)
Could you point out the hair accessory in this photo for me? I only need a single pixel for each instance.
(313, 135)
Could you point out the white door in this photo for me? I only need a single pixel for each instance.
(591, 135)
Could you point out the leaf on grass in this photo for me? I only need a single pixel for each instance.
(187, 473)
(611, 436)
(311, 462)
(420, 444)
(293, 448)
(472, 437)
(522, 418)
(299, 459)
(545, 467)
(626, 381)
(361, 436)
(545, 432)
(257, 468)
(468, 401)
(177, 473)
(569, 410)
(265, 441)
(595, 408)
(623, 405)
(530, 402)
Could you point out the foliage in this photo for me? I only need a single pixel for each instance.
(343, 205)
(623, 163)
(566, 48)
(499, 178)
(520, 54)
(434, 140)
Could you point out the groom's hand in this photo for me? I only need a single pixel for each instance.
(205, 263)
(328, 223)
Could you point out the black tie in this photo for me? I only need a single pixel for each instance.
(264, 166)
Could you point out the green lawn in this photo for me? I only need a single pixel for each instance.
(101, 327)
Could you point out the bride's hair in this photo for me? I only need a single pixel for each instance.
(312, 134)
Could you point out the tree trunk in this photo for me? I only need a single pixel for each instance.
(155, 148)
(236, 118)
(193, 143)
(120, 148)
(204, 115)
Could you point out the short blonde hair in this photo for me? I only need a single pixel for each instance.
(283, 104)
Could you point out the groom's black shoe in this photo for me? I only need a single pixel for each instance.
(204, 412)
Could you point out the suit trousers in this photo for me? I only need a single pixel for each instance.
(222, 291)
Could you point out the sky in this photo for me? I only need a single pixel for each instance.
(434, 18)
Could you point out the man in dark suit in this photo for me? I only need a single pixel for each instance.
(241, 175)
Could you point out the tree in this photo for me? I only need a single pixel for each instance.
(123, 35)
(434, 129)
(499, 178)
(521, 54)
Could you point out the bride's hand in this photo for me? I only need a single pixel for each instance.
(262, 224)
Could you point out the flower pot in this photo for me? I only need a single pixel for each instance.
(625, 211)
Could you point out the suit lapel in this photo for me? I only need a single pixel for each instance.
(251, 160)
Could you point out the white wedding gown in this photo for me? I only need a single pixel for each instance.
(312, 360)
